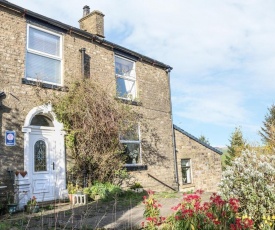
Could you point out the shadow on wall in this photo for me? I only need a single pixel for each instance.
(10, 156)
(152, 155)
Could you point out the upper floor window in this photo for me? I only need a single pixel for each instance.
(125, 78)
(44, 56)
(131, 142)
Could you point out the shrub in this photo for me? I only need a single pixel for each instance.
(73, 189)
(192, 214)
(251, 179)
(103, 190)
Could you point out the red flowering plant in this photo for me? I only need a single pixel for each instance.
(216, 214)
(152, 212)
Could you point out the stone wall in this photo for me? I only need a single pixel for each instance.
(93, 23)
(152, 88)
(205, 164)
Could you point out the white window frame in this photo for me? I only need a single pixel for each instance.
(131, 78)
(42, 54)
(189, 175)
(134, 142)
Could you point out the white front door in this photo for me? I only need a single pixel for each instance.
(42, 163)
(44, 155)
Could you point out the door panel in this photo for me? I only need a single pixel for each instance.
(41, 186)
(42, 146)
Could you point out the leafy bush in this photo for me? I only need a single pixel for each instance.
(136, 185)
(191, 214)
(103, 190)
(251, 179)
(73, 189)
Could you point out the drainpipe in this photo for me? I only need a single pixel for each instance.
(82, 50)
(2, 94)
(176, 177)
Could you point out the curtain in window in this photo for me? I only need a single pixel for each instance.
(43, 60)
(44, 42)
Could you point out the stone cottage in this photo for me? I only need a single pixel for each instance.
(36, 50)
(198, 164)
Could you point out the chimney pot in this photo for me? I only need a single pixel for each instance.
(92, 22)
(86, 10)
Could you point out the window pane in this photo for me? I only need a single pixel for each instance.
(185, 171)
(124, 67)
(43, 68)
(132, 153)
(40, 160)
(40, 120)
(185, 175)
(125, 88)
(44, 42)
(185, 163)
(132, 134)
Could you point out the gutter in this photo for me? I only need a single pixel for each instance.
(82, 33)
(2, 94)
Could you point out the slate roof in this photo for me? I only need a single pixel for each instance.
(197, 140)
(87, 35)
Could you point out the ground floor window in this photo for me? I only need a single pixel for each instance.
(131, 142)
(186, 171)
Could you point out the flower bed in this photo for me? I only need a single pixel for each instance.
(191, 213)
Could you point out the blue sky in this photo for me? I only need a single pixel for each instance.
(222, 54)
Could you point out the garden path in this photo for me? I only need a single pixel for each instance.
(96, 215)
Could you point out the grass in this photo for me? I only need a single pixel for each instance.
(166, 195)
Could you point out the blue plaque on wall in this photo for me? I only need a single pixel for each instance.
(10, 138)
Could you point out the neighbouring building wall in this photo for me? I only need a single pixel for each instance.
(205, 164)
(152, 94)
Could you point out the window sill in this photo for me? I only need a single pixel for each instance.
(130, 168)
(43, 85)
(188, 185)
(129, 102)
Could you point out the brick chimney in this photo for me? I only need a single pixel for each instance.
(92, 22)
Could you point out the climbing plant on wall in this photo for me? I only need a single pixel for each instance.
(93, 120)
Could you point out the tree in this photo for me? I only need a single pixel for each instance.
(204, 139)
(93, 121)
(268, 130)
(237, 145)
